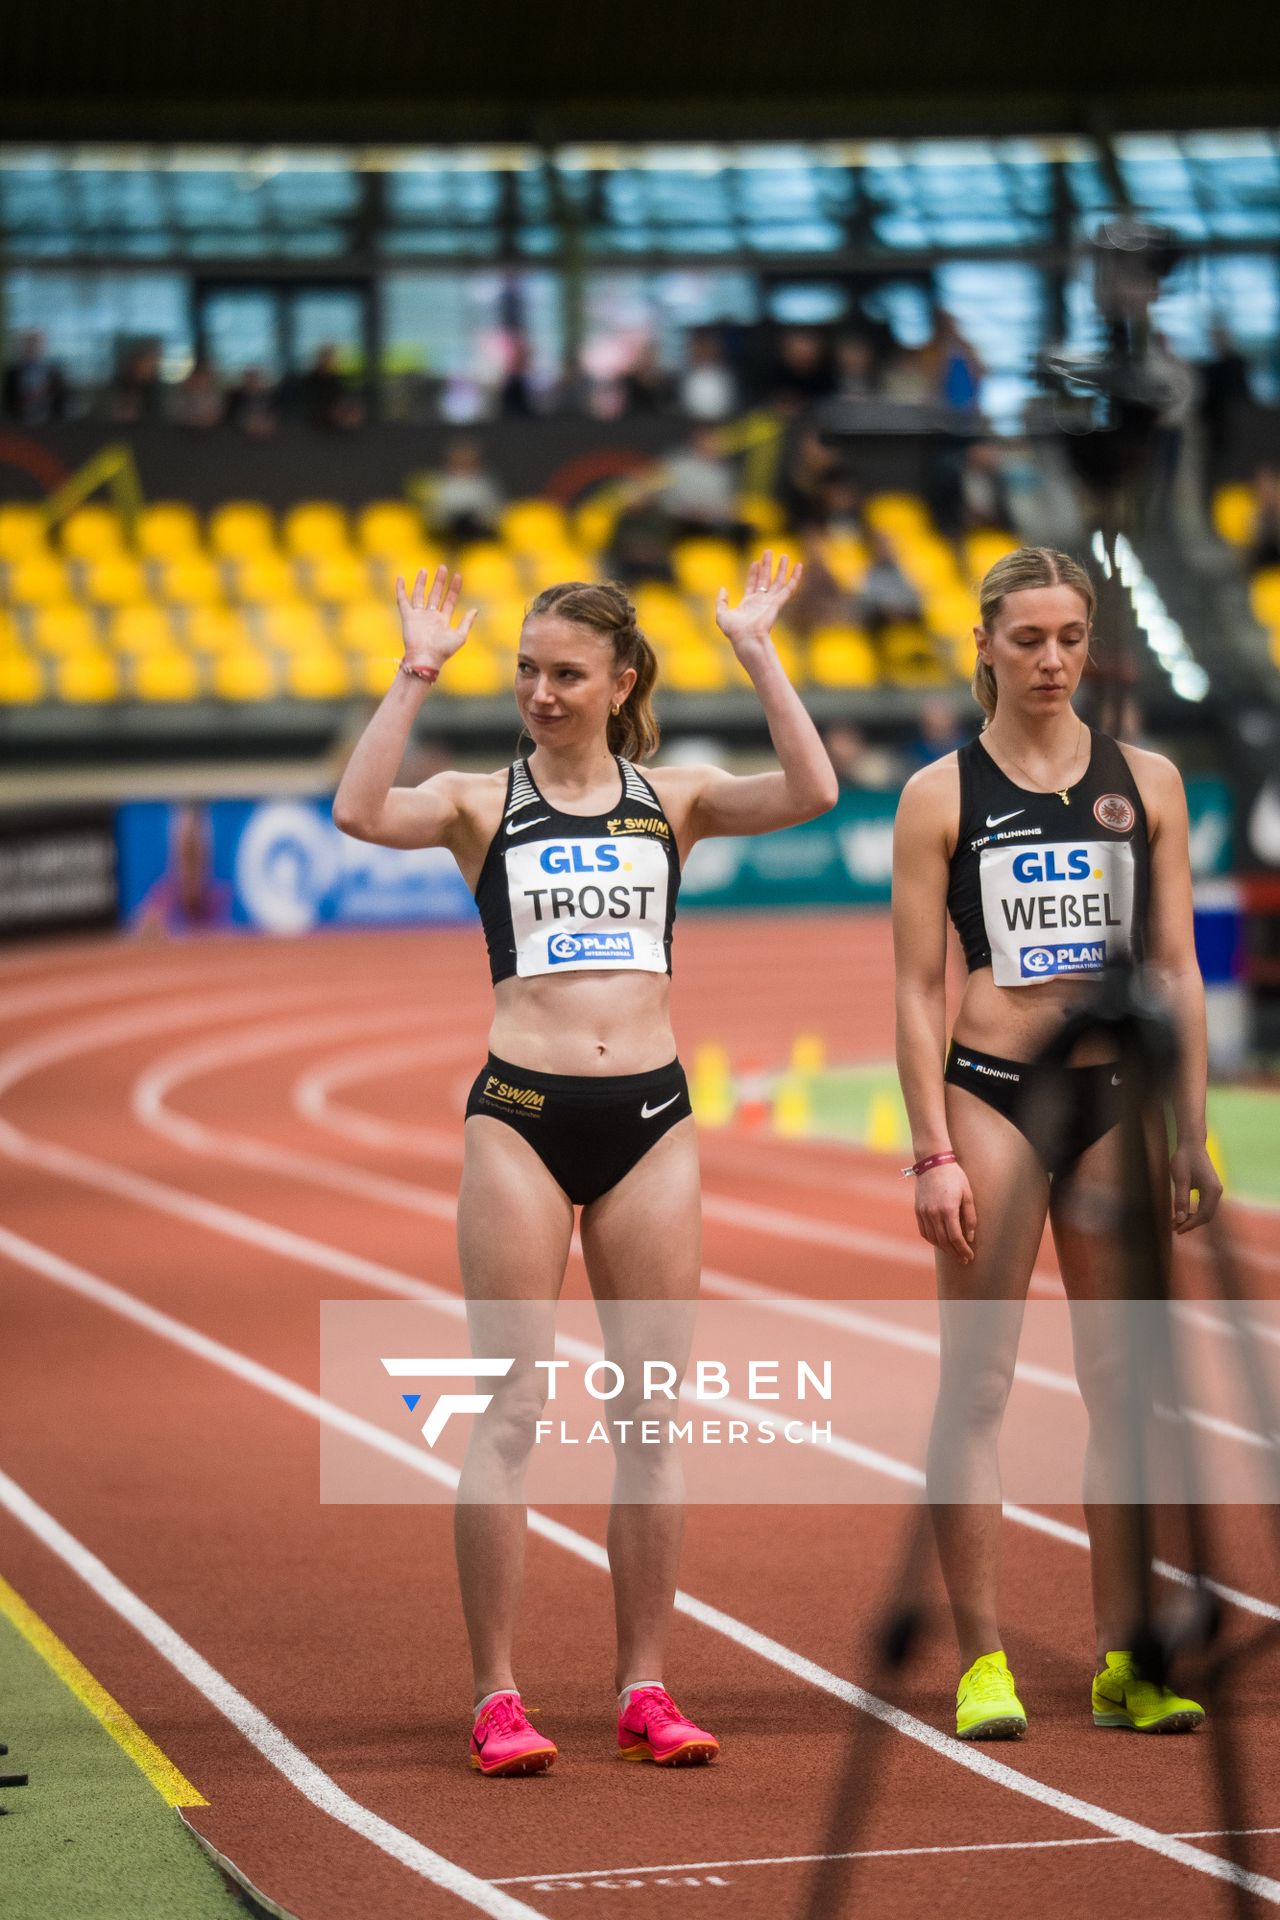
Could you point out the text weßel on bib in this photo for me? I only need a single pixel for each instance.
(1057, 909)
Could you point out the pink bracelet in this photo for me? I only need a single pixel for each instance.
(429, 674)
(934, 1160)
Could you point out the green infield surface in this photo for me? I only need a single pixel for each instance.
(864, 1104)
(95, 1832)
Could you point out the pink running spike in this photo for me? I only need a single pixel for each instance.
(652, 1727)
(502, 1741)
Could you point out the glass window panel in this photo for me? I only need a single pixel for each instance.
(241, 329)
(85, 316)
(797, 236)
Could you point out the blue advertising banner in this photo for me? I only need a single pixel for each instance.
(277, 866)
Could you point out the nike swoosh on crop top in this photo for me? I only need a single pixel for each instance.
(579, 893)
(1038, 889)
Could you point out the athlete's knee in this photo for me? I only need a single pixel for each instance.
(972, 1398)
(508, 1424)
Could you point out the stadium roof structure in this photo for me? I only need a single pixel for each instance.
(407, 71)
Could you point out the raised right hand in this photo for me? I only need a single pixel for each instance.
(945, 1213)
(426, 618)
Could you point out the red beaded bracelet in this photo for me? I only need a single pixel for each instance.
(429, 674)
(934, 1160)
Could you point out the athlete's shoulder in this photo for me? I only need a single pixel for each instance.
(475, 797)
(934, 786)
(1158, 781)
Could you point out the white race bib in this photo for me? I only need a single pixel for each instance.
(585, 905)
(1063, 907)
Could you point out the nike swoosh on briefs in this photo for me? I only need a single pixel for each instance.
(524, 824)
(647, 1112)
(1002, 817)
(1116, 1080)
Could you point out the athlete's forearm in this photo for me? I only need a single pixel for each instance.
(810, 778)
(1184, 996)
(363, 789)
(921, 1045)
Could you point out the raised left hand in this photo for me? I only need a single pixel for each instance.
(748, 625)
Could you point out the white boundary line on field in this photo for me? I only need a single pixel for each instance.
(78, 1280)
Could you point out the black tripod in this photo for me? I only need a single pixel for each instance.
(1122, 1010)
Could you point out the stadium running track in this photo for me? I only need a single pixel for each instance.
(203, 1140)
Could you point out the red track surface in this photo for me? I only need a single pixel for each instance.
(198, 1488)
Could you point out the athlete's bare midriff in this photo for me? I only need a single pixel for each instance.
(1016, 1022)
(584, 1023)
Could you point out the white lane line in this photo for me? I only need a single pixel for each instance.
(165, 1074)
(261, 1733)
(78, 1280)
(546, 1880)
(143, 1190)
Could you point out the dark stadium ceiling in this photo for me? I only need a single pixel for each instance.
(544, 70)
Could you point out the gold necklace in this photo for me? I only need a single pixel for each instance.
(1062, 792)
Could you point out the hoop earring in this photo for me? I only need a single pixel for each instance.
(615, 711)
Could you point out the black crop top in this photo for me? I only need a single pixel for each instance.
(579, 893)
(1041, 888)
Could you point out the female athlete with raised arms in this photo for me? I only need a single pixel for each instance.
(574, 857)
(1056, 851)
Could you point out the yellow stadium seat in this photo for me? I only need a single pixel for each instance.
(474, 669)
(166, 674)
(293, 628)
(1274, 648)
(23, 530)
(217, 629)
(1264, 598)
(982, 550)
(191, 580)
(39, 580)
(500, 624)
(763, 514)
(166, 530)
(931, 566)
(241, 530)
(265, 576)
(704, 566)
(92, 533)
(952, 613)
(699, 668)
(842, 657)
(117, 581)
(21, 676)
(369, 674)
(87, 677)
(488, 572)
(64, 631)
(243, 673)
(389, 530)
(317, 673)
(593, 524)
(370, 627)
(138, 630)
(554, 566)
(897, 513)
(529, 525)
(314, 529)
(1234, 511)
(911, 659)
(340, 580)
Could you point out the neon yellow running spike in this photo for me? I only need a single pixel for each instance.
(987, 1708)
(1122, 1698)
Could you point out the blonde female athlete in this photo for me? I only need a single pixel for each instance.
(1056, 851)
(574, 857)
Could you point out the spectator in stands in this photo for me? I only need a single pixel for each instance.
(859, 767)
(199, 401)
(819, 601)
(708, 388)
(325, 395)
(958, 371)
(137, 392)
(1224, 396)
(254, 405)
(857, 373)
(35, 392)
(939, 732)
(640, 549)
(1264, 545)
(886, 596)
(647, 387)
(967, 490)
(802, 369)
(809, 468)
(698, 489)
(463, 500)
